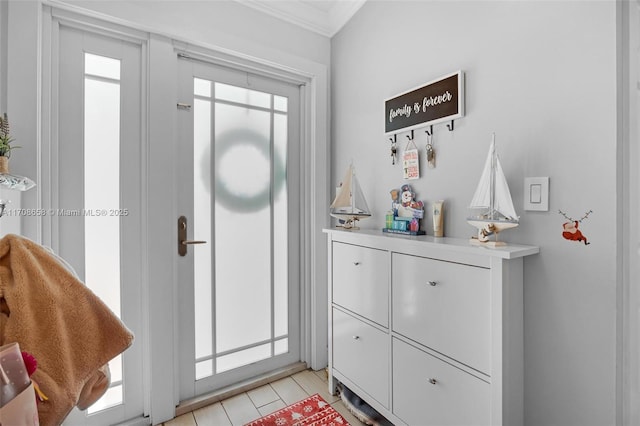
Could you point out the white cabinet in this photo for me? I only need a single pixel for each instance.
(427, 330)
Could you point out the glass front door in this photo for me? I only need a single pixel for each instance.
(238, 151)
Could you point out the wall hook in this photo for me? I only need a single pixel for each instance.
(410, 137)
(450, 126)
(430, 131)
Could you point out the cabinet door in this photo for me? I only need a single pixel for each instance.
(444, 306)
(361, 353)
(428, 391)
(361, 281)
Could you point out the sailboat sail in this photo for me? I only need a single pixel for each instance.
(343, 197)
(349, 202)
(482, 197)
(359, 203)
(502, 201)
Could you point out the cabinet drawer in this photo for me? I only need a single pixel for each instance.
(455, 398)
(361, 353)
(445, 306)
(361, 281)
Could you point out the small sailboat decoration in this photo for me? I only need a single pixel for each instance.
(349, 206)
(493, 194)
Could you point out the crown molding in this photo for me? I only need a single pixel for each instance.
(326, 20)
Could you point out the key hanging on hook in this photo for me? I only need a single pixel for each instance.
(431, 154)
(394, 150)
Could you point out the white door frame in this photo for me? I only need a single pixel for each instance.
(628, 229)
(158, 268)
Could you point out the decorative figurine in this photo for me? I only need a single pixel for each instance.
(492, 192)
(349, 206)
(570, 229)
(405, 214)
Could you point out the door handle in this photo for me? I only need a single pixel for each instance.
(187, 242)
(182, 237)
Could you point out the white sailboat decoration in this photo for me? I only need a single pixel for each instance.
(493, 194)
(349, 206)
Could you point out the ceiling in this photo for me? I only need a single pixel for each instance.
(325, 17)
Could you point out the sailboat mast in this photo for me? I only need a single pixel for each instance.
(492, 185)
(353, 203)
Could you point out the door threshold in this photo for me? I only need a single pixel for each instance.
(238, 388)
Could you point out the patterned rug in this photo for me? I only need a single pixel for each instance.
(313, 411)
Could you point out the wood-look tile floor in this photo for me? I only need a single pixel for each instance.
(251, 405)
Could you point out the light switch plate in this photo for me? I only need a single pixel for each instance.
(536, 194)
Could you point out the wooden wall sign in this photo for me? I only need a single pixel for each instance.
(437, 101)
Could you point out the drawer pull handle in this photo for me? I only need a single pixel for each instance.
(433, 283)
(356, 337)
(433, 381)
(356, 263)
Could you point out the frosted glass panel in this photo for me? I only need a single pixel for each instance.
(204, 369)
(102, 190)
(112, 397)
(280, 103)
(101, 66)
(202, 226)
(201, 87)
(280, 231)
(243, 227)
(240, 203)
(241, 358)
(281, 346)
(243, 96)
(102, 194)
(115, 368)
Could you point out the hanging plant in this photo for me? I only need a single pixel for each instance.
(5, 137)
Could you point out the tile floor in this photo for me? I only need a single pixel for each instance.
(251, 405)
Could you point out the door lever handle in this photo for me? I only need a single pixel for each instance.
(182, 237)
(187, 242)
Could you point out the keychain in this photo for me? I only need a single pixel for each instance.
(431, 154)
(394, 152)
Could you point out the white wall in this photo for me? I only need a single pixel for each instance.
(542, 75)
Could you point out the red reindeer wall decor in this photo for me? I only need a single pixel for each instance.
(570, 229)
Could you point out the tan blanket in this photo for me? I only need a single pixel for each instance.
(55, 317)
